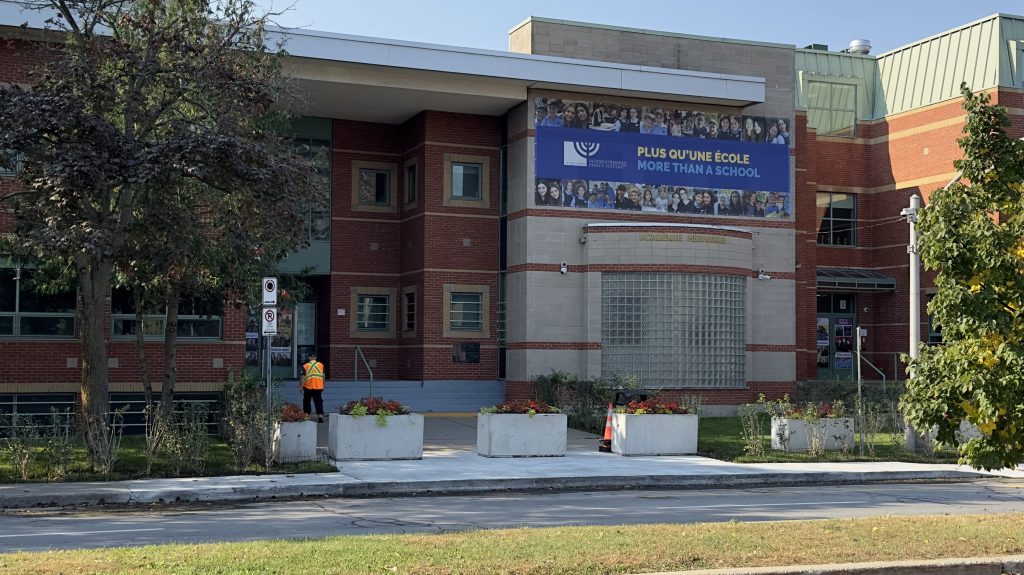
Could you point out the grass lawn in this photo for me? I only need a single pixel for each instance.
(722, 438)
(132, 463)
(565, 551)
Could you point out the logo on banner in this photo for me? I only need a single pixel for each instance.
(577, 153)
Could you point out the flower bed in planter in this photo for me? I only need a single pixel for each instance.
(294, 437)
(653, 427)
(521, 429)
(373, 428)
(811, 426)
(795, 434)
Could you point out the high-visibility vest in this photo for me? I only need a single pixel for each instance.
(314, 375)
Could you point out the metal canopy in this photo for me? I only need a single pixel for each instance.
(854, 279)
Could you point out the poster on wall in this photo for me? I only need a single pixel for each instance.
(252, 339)
(658, 159)
(844, 343)
(281, 344)
(822, 342)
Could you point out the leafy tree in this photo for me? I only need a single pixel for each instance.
(149, 145)
(972, 234)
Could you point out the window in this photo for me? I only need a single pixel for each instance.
(28, 309)
(410, 312)
(10, 163)
(675, 330)
(372, 313)
(466, 311)
(466, 181)
(411, 184)
(198, 318)
(318, 215)
(832, 108)
(374, 187)
(934, 329)
(837, 219)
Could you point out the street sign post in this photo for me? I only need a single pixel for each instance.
(269, 320)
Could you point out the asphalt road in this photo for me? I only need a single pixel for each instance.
(323, 517)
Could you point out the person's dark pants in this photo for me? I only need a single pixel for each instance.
(317, 396)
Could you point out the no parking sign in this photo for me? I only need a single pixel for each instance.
(270, 321)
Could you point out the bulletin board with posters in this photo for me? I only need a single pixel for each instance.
(597, 155)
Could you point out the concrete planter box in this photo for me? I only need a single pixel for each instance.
(295, 441)
(521, 435)
(651, 434)
(350, 437)
(836, 433)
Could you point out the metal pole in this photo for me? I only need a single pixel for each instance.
(270, 409)
(860, 395)
(910, 436)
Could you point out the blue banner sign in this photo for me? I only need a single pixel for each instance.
(596, 155)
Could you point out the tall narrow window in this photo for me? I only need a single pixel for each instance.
(410, 312)
(411, 184)
(837, 219)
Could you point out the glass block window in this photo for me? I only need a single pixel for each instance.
(466, 181)
(832, 108)
(467, 311)
(837, 219)
(674, 330)
(374, 187)
(372, 313)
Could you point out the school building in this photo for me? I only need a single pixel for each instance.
(714, 216)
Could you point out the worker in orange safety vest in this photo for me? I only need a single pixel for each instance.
(311, 384)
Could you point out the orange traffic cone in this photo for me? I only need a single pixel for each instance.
(606, 443)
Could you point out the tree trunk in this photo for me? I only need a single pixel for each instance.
(172, 299)
(94, 277)
(140, 345)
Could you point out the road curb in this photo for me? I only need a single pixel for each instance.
(247, 488)
(1012, 564)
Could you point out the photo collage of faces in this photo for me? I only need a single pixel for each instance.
(666, 122)
(661, 121)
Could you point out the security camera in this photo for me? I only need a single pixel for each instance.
(564, 268)
(763, 276)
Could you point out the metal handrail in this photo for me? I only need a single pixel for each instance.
(874, 367)
(355, 367)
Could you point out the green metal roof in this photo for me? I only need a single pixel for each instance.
(985, 53)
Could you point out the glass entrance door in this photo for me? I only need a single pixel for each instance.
(834, 335)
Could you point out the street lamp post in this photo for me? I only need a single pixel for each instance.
(910, 436)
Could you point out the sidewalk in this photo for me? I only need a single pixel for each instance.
(450, 465)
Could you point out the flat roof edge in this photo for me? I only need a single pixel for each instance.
(656, 32)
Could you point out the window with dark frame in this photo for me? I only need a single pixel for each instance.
(837, 219)
(466, 312)
(198, 318)
(411, 184)
(410, 311)
(372, 312)
(374, 187)
(467, 180)
(27, 312)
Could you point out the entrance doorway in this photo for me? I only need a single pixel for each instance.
(295, 340)
(837, 321)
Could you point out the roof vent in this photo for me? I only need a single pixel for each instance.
(819, 47)
(859, 46)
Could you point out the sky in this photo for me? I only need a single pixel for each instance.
(887, 24)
